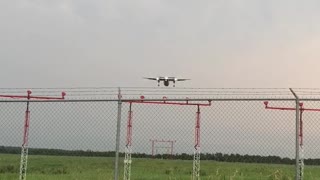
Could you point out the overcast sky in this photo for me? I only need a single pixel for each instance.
(70, 43)
(216, 43)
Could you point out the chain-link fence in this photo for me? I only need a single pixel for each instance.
(235, 134)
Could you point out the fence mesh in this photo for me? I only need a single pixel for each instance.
(241, 131)
(239, 137)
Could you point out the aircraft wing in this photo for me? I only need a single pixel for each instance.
(182, 79)
(150, 78)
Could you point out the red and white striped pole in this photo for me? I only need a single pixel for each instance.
(128, 150)
(196, 156)
(197, 130)
(26, 122)
(129, 127)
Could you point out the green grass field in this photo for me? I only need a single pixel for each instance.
(96, 168)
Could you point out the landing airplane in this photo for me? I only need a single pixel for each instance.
(166, 80)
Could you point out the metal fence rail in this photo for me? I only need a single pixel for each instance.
(130, 125)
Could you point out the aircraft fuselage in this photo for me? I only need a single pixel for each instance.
(166, 82)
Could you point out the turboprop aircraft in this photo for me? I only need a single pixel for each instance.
(166, 80)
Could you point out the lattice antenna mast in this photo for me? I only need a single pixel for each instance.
(24, 147)
(154, 141)
(196, 155)
(301, 152)
(128, 148)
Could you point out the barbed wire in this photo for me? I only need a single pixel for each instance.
(159, 92)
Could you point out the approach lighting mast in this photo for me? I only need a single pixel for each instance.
(165, 101)
(153, 146)
(24, 147)
(301, 110)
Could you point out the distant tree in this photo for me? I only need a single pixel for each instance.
(183, 156)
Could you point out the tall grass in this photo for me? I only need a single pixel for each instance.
(96, 168)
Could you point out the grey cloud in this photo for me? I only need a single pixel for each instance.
(86, 41)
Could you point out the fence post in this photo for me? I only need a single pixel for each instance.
(116, 164)
(298, 175)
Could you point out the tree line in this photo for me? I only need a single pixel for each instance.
(183, 156)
